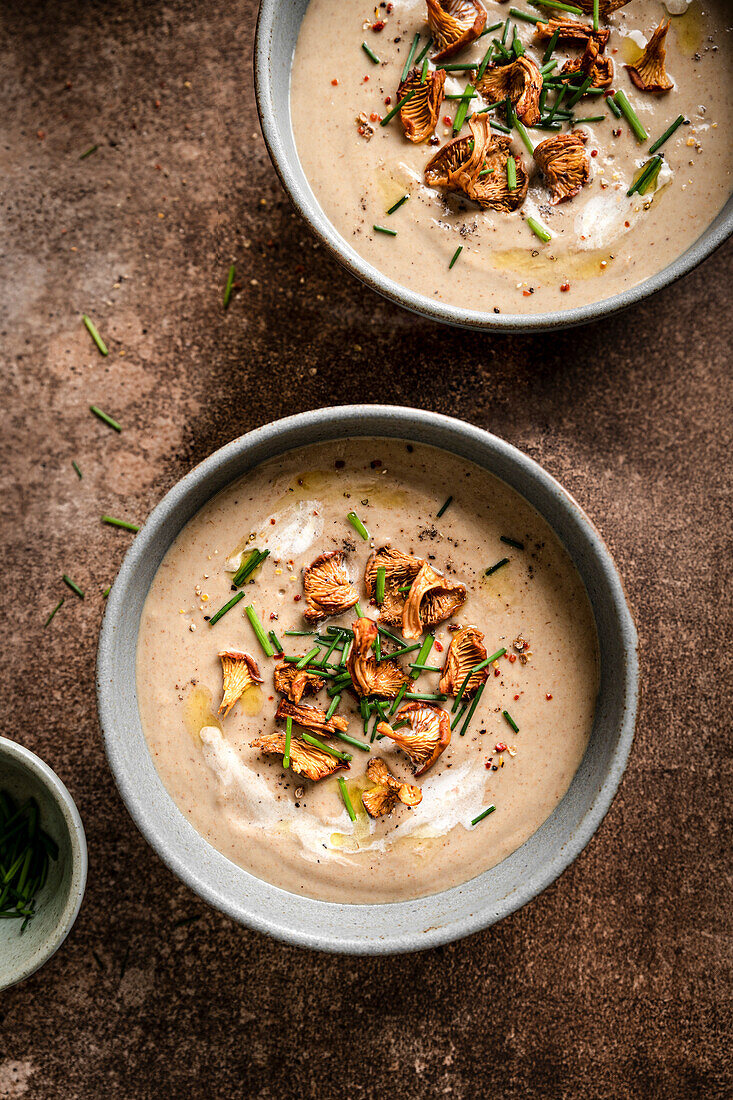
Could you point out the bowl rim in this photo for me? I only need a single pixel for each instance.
(79, 855)
(176, 846)
(308, 207)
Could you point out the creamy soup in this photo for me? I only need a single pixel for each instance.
(516, 750)
(602, 241)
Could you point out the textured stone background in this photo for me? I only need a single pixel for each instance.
(616, 981)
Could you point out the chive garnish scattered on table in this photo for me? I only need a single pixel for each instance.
(398, 204)
(454, 257)
(58, 607)
(511, 173)
(483, 814)
(326, 748)
(380, 585)
(493, 568)
(92, 330)
(667, 134)
(259, 629)
(76, 469)
(444, 508)
(228, 287)
(472, 709)
(104, 417)
(510, 720)
(539, 230)
(410, 55)
(88, 152)
(630, 115)
(647, 172)
(511, 542)
(123, 523)
(227, 607)
(25, 851)
(288, 739)
(359, 528)
(345, 796)
(74, 587)
(371, 54)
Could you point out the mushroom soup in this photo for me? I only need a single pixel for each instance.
(524, 170)
(401, 629)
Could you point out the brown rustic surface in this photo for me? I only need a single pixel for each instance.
(616, 981)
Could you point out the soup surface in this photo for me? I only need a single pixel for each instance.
(296, 833)
(602, 240)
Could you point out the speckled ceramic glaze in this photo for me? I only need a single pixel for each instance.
(24, 775)
(277, 33)
(399, 926)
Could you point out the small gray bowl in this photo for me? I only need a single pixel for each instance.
(278, 25)
(25, 775)
(399, 926)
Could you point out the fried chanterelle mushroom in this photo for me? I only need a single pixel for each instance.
(521, 82)
(296, 682)
(369, 677)
(453, 24)
(382, 798)
(649, 73)
(305, 759)
(311, 718)
(239, 671)
(327, 587)
(431, 599)
(563, 161)
(570, 30)
(420, 114)
(427, 737)
(399, 570)
(476, 166)
(466, 650)
(598, 68)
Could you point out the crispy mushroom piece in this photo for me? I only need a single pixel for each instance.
(453, 24)
(600, 69)
(521, 82)
(427, 738)
(564, 163)
(239, 671)
(420, 114)
(296, 682)
(649, 73)
(399, 570)
(431, 599)
(466, 650)
(382, 798)
(476, 166)
(570, 30)
(311, 718)
(369, 678)
(605, 7)
(305, 759)
(327, 587)
(490, 188)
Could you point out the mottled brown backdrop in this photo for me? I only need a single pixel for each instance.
(616, 981)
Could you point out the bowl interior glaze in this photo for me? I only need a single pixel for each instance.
(278, 26)
(401, 926)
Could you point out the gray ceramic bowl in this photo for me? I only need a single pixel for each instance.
(402, 926)
(24, 775)
(277, 32)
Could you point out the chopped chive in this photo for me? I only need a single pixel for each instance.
(401, 652)
(77, 470)
(339, 685)
(645, 178)
(371, 54)
(381, 229)
(106, 591)
(651, 178)
(398, 204)
(476, 668)
(426, 668)
(398, 698)
(556, 104)
(248, 567)
(517, 47)
(505, 32)
(92, 330)
(611, 104)
(259, 629)
(483, 814)
(595, 15)
(493, 568)
(397, 107)
(228, 287)
(424, 73)
(308, 657)
(486, 61)
(360, 530)
(227, 607)
(423, 51)
(581, 90)
(381, 582)
(88, 153)
(511, 542)
(351, 741)
(332, 706)
(298, 633)
(544, 235)
(107, 419)
(358, 610)
(455, 256)
(387, 634)
(510, 720)
(457, 717)
(511, 173)
(550, 47)
(274, 639)
(112, 522)
(424, 651)
(288, 738)
(500, 126)
(463, 109)
(520, 128)
(459, 68)
(525, 15)
(556, 4)
(667, 134)
(545, 71)
(471, 709)
(58, 606)
(426, 696)
(630, 115)
(326, 748)
(591, 118)
(410, 55)
(74, 587)
(346, 798)
(444, 508)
